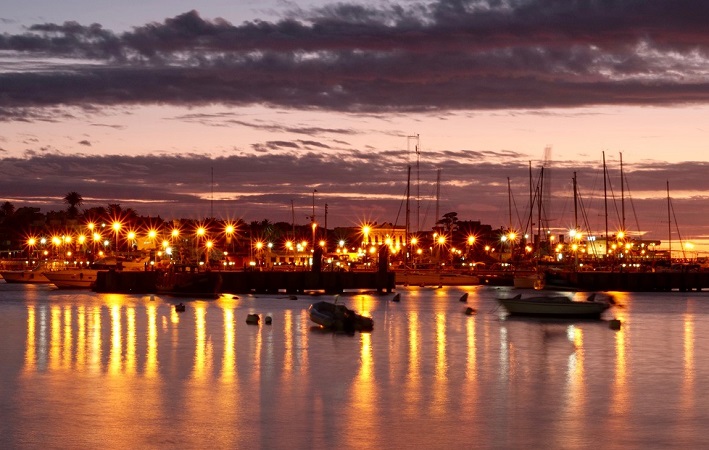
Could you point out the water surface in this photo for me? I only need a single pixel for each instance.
(87, 370)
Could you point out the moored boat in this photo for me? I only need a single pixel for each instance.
(555, 306)
(339, 317)
(27, 276)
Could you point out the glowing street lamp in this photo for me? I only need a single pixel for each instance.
(208, 246)
(116, 228)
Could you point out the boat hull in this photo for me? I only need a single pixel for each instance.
(553, 307)
(338, 317)
(24, 276)
(73, 279)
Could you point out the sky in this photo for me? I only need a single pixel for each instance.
(262, 109)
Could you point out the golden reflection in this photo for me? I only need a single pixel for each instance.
(151, 360)
(363, 409)
(575, 369)
(174, 317)
(302, 351)
(288, 344)
(81, 337)
(31, 346)
(229, 360)
(114, 365)
(95, 338)
(42, 350)
(66, 346)
(413, 377)
(688, 394)
(441, 372)
(620, 384)
(471, 372)
(55, 337)
(130, 340)
(203, 349)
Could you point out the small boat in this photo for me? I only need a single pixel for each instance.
(339, 317)
(560, 306)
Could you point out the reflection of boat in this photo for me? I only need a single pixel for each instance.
(554, 306)
(435, 278)
(339, 317)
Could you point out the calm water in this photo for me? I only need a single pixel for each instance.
(86, 370)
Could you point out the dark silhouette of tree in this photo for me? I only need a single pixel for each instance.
(449, 222)
(7, 209)
(74, 200)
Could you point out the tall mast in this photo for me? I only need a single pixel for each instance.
(408, 213)
(539, 213)
(418, 184)
(605, 198)
(576, 223)
(438, 191)
(669, 222)
(415, 138)
(509, 202)
(531, 200)
(622, 194)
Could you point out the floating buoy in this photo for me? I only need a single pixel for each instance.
(292, 297)
(268, 320)
(253, 319)
(396, 297)
(152, 298)
(180, 307)
(614, 324)
(464, 297)
(470, 311)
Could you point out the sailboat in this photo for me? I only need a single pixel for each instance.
(556, 306)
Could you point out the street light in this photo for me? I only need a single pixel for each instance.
(116, 228)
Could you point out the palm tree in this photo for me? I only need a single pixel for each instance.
(73, 199)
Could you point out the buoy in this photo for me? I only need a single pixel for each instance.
(470, 311)
(396, 297)
(614, 324)
(180, 307)
(152, 298)
(464, 297)
(253, 319)
(292, 297)
(268, 320)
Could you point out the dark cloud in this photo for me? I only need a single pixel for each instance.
(355, 185)
(447, 54)
(85, 142)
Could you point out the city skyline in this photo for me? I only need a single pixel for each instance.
(243, 111)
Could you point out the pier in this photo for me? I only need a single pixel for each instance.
(234, 282)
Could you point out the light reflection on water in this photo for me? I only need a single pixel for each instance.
(84, 370)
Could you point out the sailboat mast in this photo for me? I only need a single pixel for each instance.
(622, 194)
(438, 191)
(576, 215)
(539, 213)
(669, 222)
(408, 213)
(509, 202)
(605, 197)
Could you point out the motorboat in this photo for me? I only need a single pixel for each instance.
(339, 317)
(34, 275)
(73, 278)
(84, 277)
(30, 276)
(561, 306)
